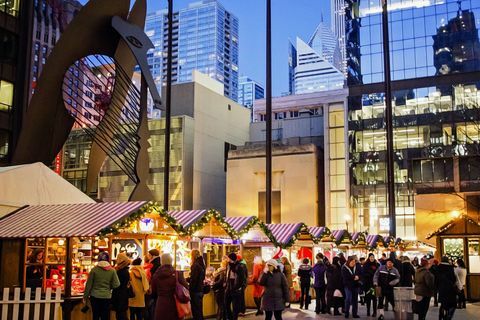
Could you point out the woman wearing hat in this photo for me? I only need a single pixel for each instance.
(101, 281)
(276, 293)
(120, 294)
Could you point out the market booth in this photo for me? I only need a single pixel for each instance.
(460, 238)
(323, 243)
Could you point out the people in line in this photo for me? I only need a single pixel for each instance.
(461, 273)
(120, 295)
(305, 275)
(140, 286)
(319, 284)
(197, 278)
(386, 278)
(102, 279)
(163, 285)
(447, 289)
(407, 273)
(334, 286)
(154, 260)
(424, 288)
(258, 267)
(277, 293)
(233, 288)
(351, 284)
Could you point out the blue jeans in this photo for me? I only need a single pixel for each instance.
(351, 299)
(196, 302)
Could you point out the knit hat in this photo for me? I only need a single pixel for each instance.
(370, 255)
(103, 256)
(424, 261)
(233, 256)
(273, 263)
(154, 252)
(122, 261)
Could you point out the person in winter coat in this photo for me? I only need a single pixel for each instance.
(319, 273)
(120, 294)
(243, 264)
(197, 277)
(334, 286)
(218, 288)
(351, 283)
(407, 273)
(235, 280)
(258, 267)
(447, 289)
(305, 275)
(387, 277)
(424, 288)
(34, 272)
(147, 266)
(140, 286)
(368, 271)
(277, 293)
(286, 268)
(102, 279)
(461, 273)
(154, 259)
(164, 282)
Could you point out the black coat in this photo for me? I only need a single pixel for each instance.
(368, 271)
(305, 274)
(348, 277)
(407, 274)
(334, 278)
(156, 264)
(197, 275)
(447, 288)
(239, 277)
(276, 292)
(120, 294)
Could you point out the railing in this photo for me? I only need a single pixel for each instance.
(40, 308)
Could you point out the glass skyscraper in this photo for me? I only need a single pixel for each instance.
(249, 91)
(205, 38)
(435, 72)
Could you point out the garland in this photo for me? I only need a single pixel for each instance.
(449, 224)
(287, 245)
(251, 223)
(126, 222)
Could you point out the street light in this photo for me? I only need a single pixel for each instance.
(347, 219)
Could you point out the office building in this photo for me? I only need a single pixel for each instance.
(434, 54)
(310, 171)
(205, 126)
(337, 8)
(248, 91)
(205, 38)
(16, 18)
(315, 66)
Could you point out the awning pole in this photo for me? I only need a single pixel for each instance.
(67, 308)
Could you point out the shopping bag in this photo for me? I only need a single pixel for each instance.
(183, 309)
(337, 294)
(181, 293)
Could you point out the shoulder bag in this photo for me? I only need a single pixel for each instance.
(182, 299)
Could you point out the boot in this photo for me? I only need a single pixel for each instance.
(335, 312)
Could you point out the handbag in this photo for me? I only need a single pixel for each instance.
(183, 309)
(130, 292)
(181, 293)
(337, 294)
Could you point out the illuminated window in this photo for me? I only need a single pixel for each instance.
(10, 6)
(6, 95)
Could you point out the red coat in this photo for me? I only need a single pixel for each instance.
(163, 286)
(148, 267)
(257, 288)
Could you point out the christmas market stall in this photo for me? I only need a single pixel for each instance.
(375, 244)
(460, 238)
(322, 238)
(416, 248)
(359, 244)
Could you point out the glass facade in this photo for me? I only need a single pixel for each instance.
(249, 91)
(435, 110)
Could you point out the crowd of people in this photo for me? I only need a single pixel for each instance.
(149, 289)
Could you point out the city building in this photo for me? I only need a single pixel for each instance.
(205, 38)
(337, 9)
(310, 171)
(15, 40)
(434, 55)
(248, 91)
(205, 126)
(315, 66)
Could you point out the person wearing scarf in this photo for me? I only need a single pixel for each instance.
(102, 279)
(120, 294)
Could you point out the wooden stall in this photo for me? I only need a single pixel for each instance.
(460, 238)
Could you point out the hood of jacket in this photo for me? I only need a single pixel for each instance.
(165, 271)
(138, 272)
(105, 265)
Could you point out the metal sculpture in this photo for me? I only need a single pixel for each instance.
(101, 46)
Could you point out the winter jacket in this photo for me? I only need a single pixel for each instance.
(447, 285)
(287, 272)
(163, 287)
(319, 270)
(305, 274)
(276, 292)
(197, 275)
(257, 273)
(140, 286)
(461, 274)
(407, 274)
(120, 294)
(102, 279)
(386, 279)
(348, 277)
(148, 270)
(424, 282)
(334, 278)
(156, 263)
(219, 280)
(236, 277)
(242, 264)
(368, 272)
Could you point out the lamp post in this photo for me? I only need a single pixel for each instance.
(268, 107)
(168, 103)
(347, 220)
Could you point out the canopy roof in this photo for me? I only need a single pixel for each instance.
(35, 184)
(341, 237)
(319, 233)
(373, 240)
(241, 225)
(66, 220)
(284, 235)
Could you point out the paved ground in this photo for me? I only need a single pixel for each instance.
(472, 312)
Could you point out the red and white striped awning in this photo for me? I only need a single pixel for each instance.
(284, 232)
(186, 218)
(65, 220)
(239, 223)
